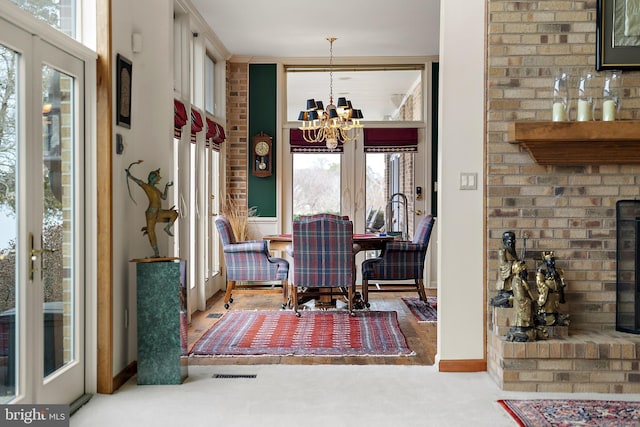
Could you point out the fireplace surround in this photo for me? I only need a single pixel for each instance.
(628, 266)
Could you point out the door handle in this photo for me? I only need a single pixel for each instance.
(34, 254)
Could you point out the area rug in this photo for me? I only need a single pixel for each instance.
(422, 311)
(314, 333)
(565, 413)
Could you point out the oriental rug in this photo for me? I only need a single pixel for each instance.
(552, 412)
(422, 311)
(315, 333)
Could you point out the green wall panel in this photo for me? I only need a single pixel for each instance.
(262, 118)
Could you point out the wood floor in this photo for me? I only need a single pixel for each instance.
(421, 337)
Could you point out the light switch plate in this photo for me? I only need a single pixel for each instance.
(468, 181)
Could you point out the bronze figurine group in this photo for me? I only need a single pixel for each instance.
(533, 314)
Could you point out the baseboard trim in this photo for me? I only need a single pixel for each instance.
(470, 365)
(124, 375)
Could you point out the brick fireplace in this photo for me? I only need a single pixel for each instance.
(568, 209)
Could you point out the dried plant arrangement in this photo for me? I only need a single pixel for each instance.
(238, 216)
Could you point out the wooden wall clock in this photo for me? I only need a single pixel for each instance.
(262, 155)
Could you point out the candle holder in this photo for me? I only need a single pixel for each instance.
(561, 97)
(585, 97)
(611, 93)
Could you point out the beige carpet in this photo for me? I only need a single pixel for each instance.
(311, 396)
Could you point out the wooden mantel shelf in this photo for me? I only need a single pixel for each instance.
(579, 143)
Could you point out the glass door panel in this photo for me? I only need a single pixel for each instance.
(389, 193)
(8, 223)
(58, 220)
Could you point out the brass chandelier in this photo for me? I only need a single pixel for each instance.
(335, 123)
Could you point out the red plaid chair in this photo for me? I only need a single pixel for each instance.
(323, 258)
(400, 260)
(249, 261)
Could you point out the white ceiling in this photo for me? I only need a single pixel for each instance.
(363, 28)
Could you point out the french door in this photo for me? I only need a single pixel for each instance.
(41, 221)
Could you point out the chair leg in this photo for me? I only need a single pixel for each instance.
(351, 293)
(227, 296)
(421, 292)
(294, 299)
(285, 294)
(365, 292)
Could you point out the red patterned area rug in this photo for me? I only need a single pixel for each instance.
(422, 311)
(315, 333)
(565, 413)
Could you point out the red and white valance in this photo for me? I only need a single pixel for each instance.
(196, 123)
(297, 144)
(390, 140)
(179, 118)
(215, 134)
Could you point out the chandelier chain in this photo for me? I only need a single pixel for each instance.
(331, 40)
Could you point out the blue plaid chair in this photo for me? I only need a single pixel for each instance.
(249, 261)
(400, 260)
(322, 254)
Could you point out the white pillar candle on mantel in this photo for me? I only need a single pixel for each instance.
(584, 110)
(609, 110)
(559, 112)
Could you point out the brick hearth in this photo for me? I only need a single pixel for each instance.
(576, 362)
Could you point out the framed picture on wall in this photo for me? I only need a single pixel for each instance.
(124, 69)
(618, 35)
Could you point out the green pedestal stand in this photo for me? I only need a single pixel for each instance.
(162, 320)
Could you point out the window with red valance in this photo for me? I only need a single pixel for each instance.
(380, 140)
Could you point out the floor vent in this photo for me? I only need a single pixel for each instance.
(233, 376)
(214, 315)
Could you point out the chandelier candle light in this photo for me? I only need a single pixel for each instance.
(333, 124)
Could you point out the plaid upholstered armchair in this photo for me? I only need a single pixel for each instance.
(400, 260)
(322, 254)
(249, 261)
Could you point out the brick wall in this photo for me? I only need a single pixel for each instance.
(570, 210)
(237, 131)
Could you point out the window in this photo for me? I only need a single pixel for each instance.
(196, 156)
(397, 95)
(310, 169)
(209, 87)
(60, 14)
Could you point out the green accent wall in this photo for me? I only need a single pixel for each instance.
(262, 118)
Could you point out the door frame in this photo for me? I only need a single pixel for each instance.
(87, 138)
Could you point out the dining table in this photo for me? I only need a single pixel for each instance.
(365, 242)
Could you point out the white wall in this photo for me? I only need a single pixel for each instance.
(460, 215)
(149, 139)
